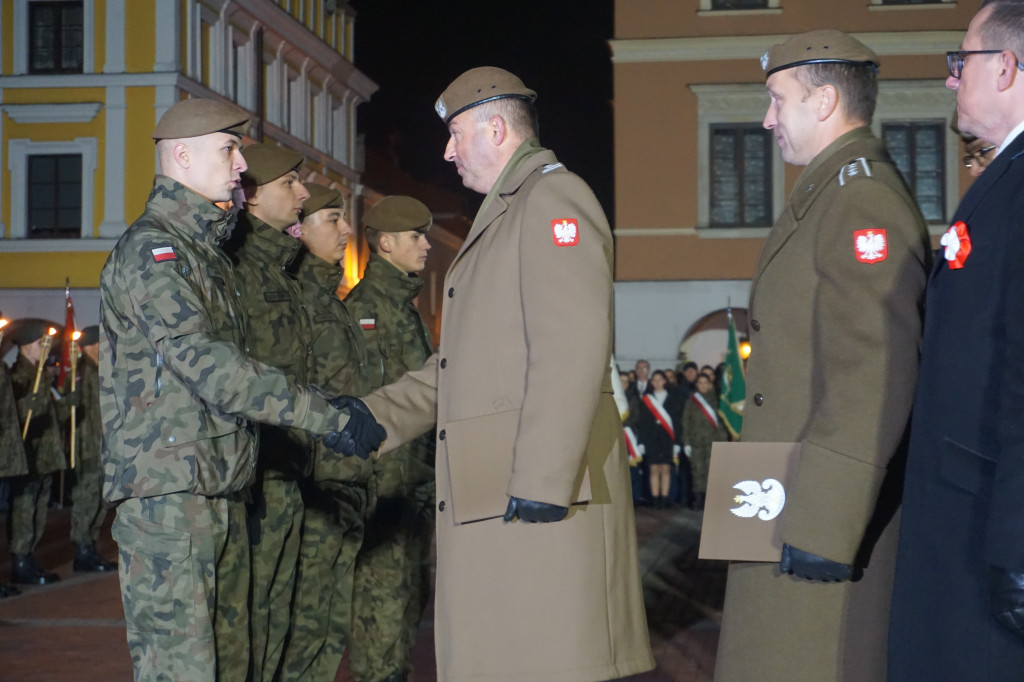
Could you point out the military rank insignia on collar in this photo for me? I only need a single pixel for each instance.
(870, 246)
(853, 170)
(958, 245)
(368, 323)
(164, 253)
(565, 232)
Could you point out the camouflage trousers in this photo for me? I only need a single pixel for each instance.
(275, 523)
(184, 570)
(87, 510)
(392, 584)
(321, 618)
(30, 499)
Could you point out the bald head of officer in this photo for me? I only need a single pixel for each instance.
(822, 85)
(199, 144)
(489, 113)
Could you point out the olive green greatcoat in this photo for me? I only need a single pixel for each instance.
(12, 452)
(833, 364)
(522, 368)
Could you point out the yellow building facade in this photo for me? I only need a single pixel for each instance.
(699, 182)
(82, 84)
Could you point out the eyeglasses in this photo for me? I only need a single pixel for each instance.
(976, 156)
(955, 60)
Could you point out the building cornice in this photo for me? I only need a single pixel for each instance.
(76, 112)
(720, 48)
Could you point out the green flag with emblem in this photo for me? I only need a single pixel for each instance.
(734, 385)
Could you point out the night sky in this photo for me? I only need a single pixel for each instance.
(414, 49)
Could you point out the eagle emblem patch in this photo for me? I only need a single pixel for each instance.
(871, 246)
(957, 243)
(565, 232)
(764, 500)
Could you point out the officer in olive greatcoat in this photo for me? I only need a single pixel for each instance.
(392, 570)
(835, 310)
(179, 397)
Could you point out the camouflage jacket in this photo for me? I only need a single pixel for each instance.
(397, 341)
(338, 357)
(278, 331)
(177, 389)
(12, 452)
(44, 446)
(88, 424)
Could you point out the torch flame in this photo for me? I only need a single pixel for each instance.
(3, 323)
(52, 332)
(76, 335)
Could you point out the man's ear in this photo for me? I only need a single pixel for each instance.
(1009, 71)
(182, 155)
(498, 129)
(385, 243)
(828, 101)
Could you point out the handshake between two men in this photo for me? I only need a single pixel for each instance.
(361, 435)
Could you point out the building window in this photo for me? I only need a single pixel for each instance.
(739, 4)
(741, 176)
(54, 196)
(912, 2)
(55, 37)
(918, 148)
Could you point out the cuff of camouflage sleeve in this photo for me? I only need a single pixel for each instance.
(314, 414)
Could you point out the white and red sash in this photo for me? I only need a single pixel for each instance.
(632, 446)
(660, 414)
(705, 407)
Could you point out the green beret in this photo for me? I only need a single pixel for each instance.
(28, 330)
(818, 47)
(398, 214)
(268, 162)
(479, 85)
(90, 335)
(195, 117)
(321, 197)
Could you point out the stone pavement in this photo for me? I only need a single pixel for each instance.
(73, 630)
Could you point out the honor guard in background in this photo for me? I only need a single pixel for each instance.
(527, 425)
(12, 452)
(958, 602)
(835, 324)
(393, 567)
(265, 265)
(44, 450)
(335, 500)
(87, 509)
(179, 397)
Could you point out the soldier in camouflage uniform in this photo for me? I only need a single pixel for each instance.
(265, 265)
(87, 509)
(44, 452)
(336, 499)
(393, 567)
(178, 397)
(12, 452)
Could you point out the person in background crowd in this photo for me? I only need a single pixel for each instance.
(701, 427)
(634, 448)
(12, 451)
(642, 373)
(87, 509)
(657, 427)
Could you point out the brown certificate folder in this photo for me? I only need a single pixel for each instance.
(747, 485)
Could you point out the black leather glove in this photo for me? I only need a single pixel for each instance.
(1006, 596)
(529, 511)
(813, 567)
(361, 435)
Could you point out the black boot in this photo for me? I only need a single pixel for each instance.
(8, 590)
(88, 560)
(25, 571)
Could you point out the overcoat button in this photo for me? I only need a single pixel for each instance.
(444, 362)
(755, 325)
(758, 399)
(440, 506)
(451, 292)
(442, 435)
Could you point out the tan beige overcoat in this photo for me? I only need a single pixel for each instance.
(520, 389)
(835, 332)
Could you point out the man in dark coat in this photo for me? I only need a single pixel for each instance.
(958, 607)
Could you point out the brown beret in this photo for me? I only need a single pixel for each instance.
(195, 117)
(321, 197)
(817, 47)
(28, 330)
(398, 214)
(90, 335)
(479, 85)
(268, 162)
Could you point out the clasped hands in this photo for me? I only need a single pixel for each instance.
(361, 434)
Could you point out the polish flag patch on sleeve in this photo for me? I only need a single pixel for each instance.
(368, 323)
(565, 232)
(164, 253)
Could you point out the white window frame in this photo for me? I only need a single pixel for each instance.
(18, 151)
(21, 42)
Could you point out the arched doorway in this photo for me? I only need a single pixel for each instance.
(707, 339)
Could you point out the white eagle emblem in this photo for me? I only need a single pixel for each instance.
(871, 245)
(565, 232)
(440, 108)
(764, 60)
(764, 500)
